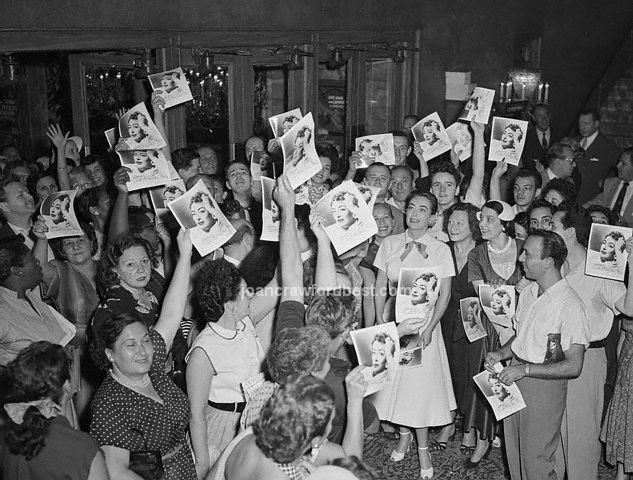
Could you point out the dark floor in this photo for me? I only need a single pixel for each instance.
(447, 463)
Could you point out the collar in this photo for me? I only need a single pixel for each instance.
(592, 137)
(551, 175)
(551, 291)
(7, 292)
(19, 230)
(425, 239)
(231, 260)
(546, 133)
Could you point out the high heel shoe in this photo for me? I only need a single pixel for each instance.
(468, 464)
(426, 473)
(397, 456)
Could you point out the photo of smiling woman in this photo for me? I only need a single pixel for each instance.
(171, 86)
(59, 215)
(606, 255)
(431, 135)
(146, 168)
(198, 211)
(508, 140)
(138, 131)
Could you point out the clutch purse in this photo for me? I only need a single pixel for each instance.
(147, 464)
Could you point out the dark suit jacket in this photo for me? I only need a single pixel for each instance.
(595, 166)
(533, 149)
(607, 197)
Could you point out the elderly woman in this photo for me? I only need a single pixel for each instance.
(41, 185)
(70, 281)
(128, 281)
(37, 441)
(493, 262)
(138, 407)
(225, 354)
(420, 397)
(290, 438)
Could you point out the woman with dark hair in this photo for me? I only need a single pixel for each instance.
(41, 185)
(559, 191)
(420, 397)
(492, 262)
(128, 281)
(37, 441)
(138, 408)
(226, 353)
(465, 358)
(290, 438)
(70, 281)
(140, 134)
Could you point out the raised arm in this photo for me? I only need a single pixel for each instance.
(475, 189)
(40, 250)
(356, 385)
(289, 254)
(495, 180)
(625, 304)
(158, 106)
(354, 161)
(424, 168)
(325, 274)
(119, 221)
(174, 301)
(54, 132)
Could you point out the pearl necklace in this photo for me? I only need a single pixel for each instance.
(503, 250)
(131, 384)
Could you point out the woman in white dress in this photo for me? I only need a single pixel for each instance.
(420, 397)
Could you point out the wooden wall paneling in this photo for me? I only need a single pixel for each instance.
(34, 118)
(241, 86)
(175, 117)
(77, 71)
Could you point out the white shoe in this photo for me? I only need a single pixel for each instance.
(397, 456)
(426, 473)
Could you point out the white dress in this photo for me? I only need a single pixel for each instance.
(422, 396)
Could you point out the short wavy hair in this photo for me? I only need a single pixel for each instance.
(568, 190)
(106, 273)
(218, 282)
(58, 243)
(420, 193)
(296, 413)
(334, 311)
(39, 371)
(105, 330)
(471, 213)
(296, 351)
(497, 206)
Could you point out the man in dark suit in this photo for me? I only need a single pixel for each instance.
(599, 156)
(538, 139)
(618, 191)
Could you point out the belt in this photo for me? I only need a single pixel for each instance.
(228, 407)
(598, 344)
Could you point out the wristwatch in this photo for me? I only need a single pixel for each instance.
(527, 369)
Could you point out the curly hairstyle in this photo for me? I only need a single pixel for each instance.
(199, 198)
(350, 201)
(609, 215)
(296, 351)
(504, 296)
(576, 216)
(34, 178)
(296, 413)
(568, 190)
(420, 193)
(428, 277)
(172, 189)
(385, 338)
(617, 236)
(57, 244)
(106, 274)
(104, 332)
(218, 282)
(334, 311)
(471, 213)
(140, 117)
(39, 371)
(518, 132)
(305, 132)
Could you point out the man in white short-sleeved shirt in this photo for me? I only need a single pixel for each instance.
(548, 349)
(580, 449)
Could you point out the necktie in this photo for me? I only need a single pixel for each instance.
(409, 247)
(583, 143)
(544, 141)
(619, 202)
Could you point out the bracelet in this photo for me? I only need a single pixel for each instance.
(527, 369)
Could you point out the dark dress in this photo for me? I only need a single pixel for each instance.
(466, 358)
(120, 300)
(121, 414)
(477, 411)
(66, 455)
(617, 429)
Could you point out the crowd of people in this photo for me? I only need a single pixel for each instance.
(125, 354)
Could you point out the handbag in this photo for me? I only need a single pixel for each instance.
(147, 464)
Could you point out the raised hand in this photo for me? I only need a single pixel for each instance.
(184, 243)
(317, 223)
(283, 194)
(40, 228)
(54, 132)
(158, 103)
(121, 177)
(500, 169)
(356, 384)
